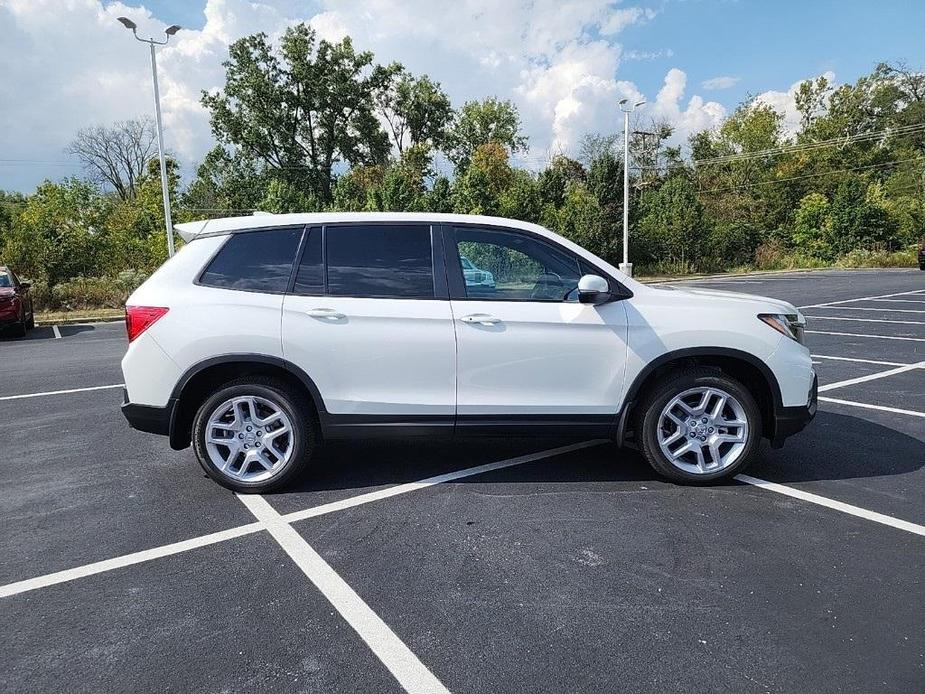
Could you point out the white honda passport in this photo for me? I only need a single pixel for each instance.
(266, 335)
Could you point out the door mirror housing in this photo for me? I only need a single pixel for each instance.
(594, 290)
(25, 285)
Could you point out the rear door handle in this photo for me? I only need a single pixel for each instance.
(480, 319)
(328, 313)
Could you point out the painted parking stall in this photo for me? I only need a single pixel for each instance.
(476, 566)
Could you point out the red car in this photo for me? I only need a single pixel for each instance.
(15, 303)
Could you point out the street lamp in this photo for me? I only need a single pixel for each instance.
(626, 267)
(169, 31)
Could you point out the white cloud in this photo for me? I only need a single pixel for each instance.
(648, 55)
(68, 65)
(716, 83)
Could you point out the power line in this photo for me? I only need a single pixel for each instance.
(814, 175)
(809, 146)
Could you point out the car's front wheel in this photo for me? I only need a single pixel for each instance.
(699, 425)
(254, 435)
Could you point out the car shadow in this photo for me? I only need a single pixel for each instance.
(46, 332)
(833, 447)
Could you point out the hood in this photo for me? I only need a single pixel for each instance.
(763, 303)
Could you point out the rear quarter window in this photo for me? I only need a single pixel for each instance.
(255, 261)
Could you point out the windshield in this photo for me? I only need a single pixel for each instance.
(5, 280)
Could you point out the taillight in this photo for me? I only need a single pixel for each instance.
(140, 318)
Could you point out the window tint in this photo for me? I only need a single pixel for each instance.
(310, 277)
(257, 261)
(508, 266)
(5, 279)
(386, 260)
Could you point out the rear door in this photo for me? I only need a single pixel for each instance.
(525, 345)
(369, 321)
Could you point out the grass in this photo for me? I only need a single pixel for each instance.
(88, 314)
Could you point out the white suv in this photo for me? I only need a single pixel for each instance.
(266, 335)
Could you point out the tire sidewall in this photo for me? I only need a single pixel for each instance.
(302, 435)
(674, 386)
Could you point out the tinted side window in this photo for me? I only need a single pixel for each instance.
(383, 260)
(509, 266)
(310, 277)
(257, 261)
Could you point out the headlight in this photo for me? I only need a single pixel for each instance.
(789, 324)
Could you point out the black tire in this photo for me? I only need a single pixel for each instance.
(650, 410)
(296, 407)
(19, 329)
(30, 321)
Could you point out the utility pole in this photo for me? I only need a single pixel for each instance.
(165, 188)
(626, 267)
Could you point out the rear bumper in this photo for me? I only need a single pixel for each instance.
(791, 420)
(147, 418)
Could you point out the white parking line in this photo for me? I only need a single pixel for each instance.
(899, 301)
(871, 377)
(431, 481)
(833, 504)
(868, 320)
(404, 665)
(860, 361)
(60, 392)
(861, 298)
(867, 308)
(126, 560)
(868, 406)
(57, 332)
(881, 337)
(212, 538)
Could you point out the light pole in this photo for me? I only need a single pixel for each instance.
(626, 267)
(170, 31)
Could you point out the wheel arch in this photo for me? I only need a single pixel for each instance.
(751, 371)
(201, 379)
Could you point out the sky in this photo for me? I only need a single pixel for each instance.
(67, 64)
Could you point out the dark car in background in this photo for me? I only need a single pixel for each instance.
(16, 314)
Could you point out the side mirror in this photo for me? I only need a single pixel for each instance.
(25, 285)
(594, 290)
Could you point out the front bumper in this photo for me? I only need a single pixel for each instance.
(147, 418)
(791, 420)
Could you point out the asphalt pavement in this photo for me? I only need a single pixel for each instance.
(474, 566)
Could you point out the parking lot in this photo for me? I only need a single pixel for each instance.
(477, 566)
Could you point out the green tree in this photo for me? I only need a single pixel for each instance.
(302, 110)
(481, 122)
(480, 188)
(672, 226)
(416, 109)
(811, 226)
(60, 232)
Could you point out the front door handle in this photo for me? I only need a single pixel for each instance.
(328, 313)
(480, 319)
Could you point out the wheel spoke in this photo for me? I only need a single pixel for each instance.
(672, 438)
(718, 408)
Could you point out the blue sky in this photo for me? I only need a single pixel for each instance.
(564, 64)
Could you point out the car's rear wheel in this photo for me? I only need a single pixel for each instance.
(30, 321)
(254, 435)
(699, 425)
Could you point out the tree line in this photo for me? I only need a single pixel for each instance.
(313, 125)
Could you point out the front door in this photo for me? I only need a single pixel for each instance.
(525, 345)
